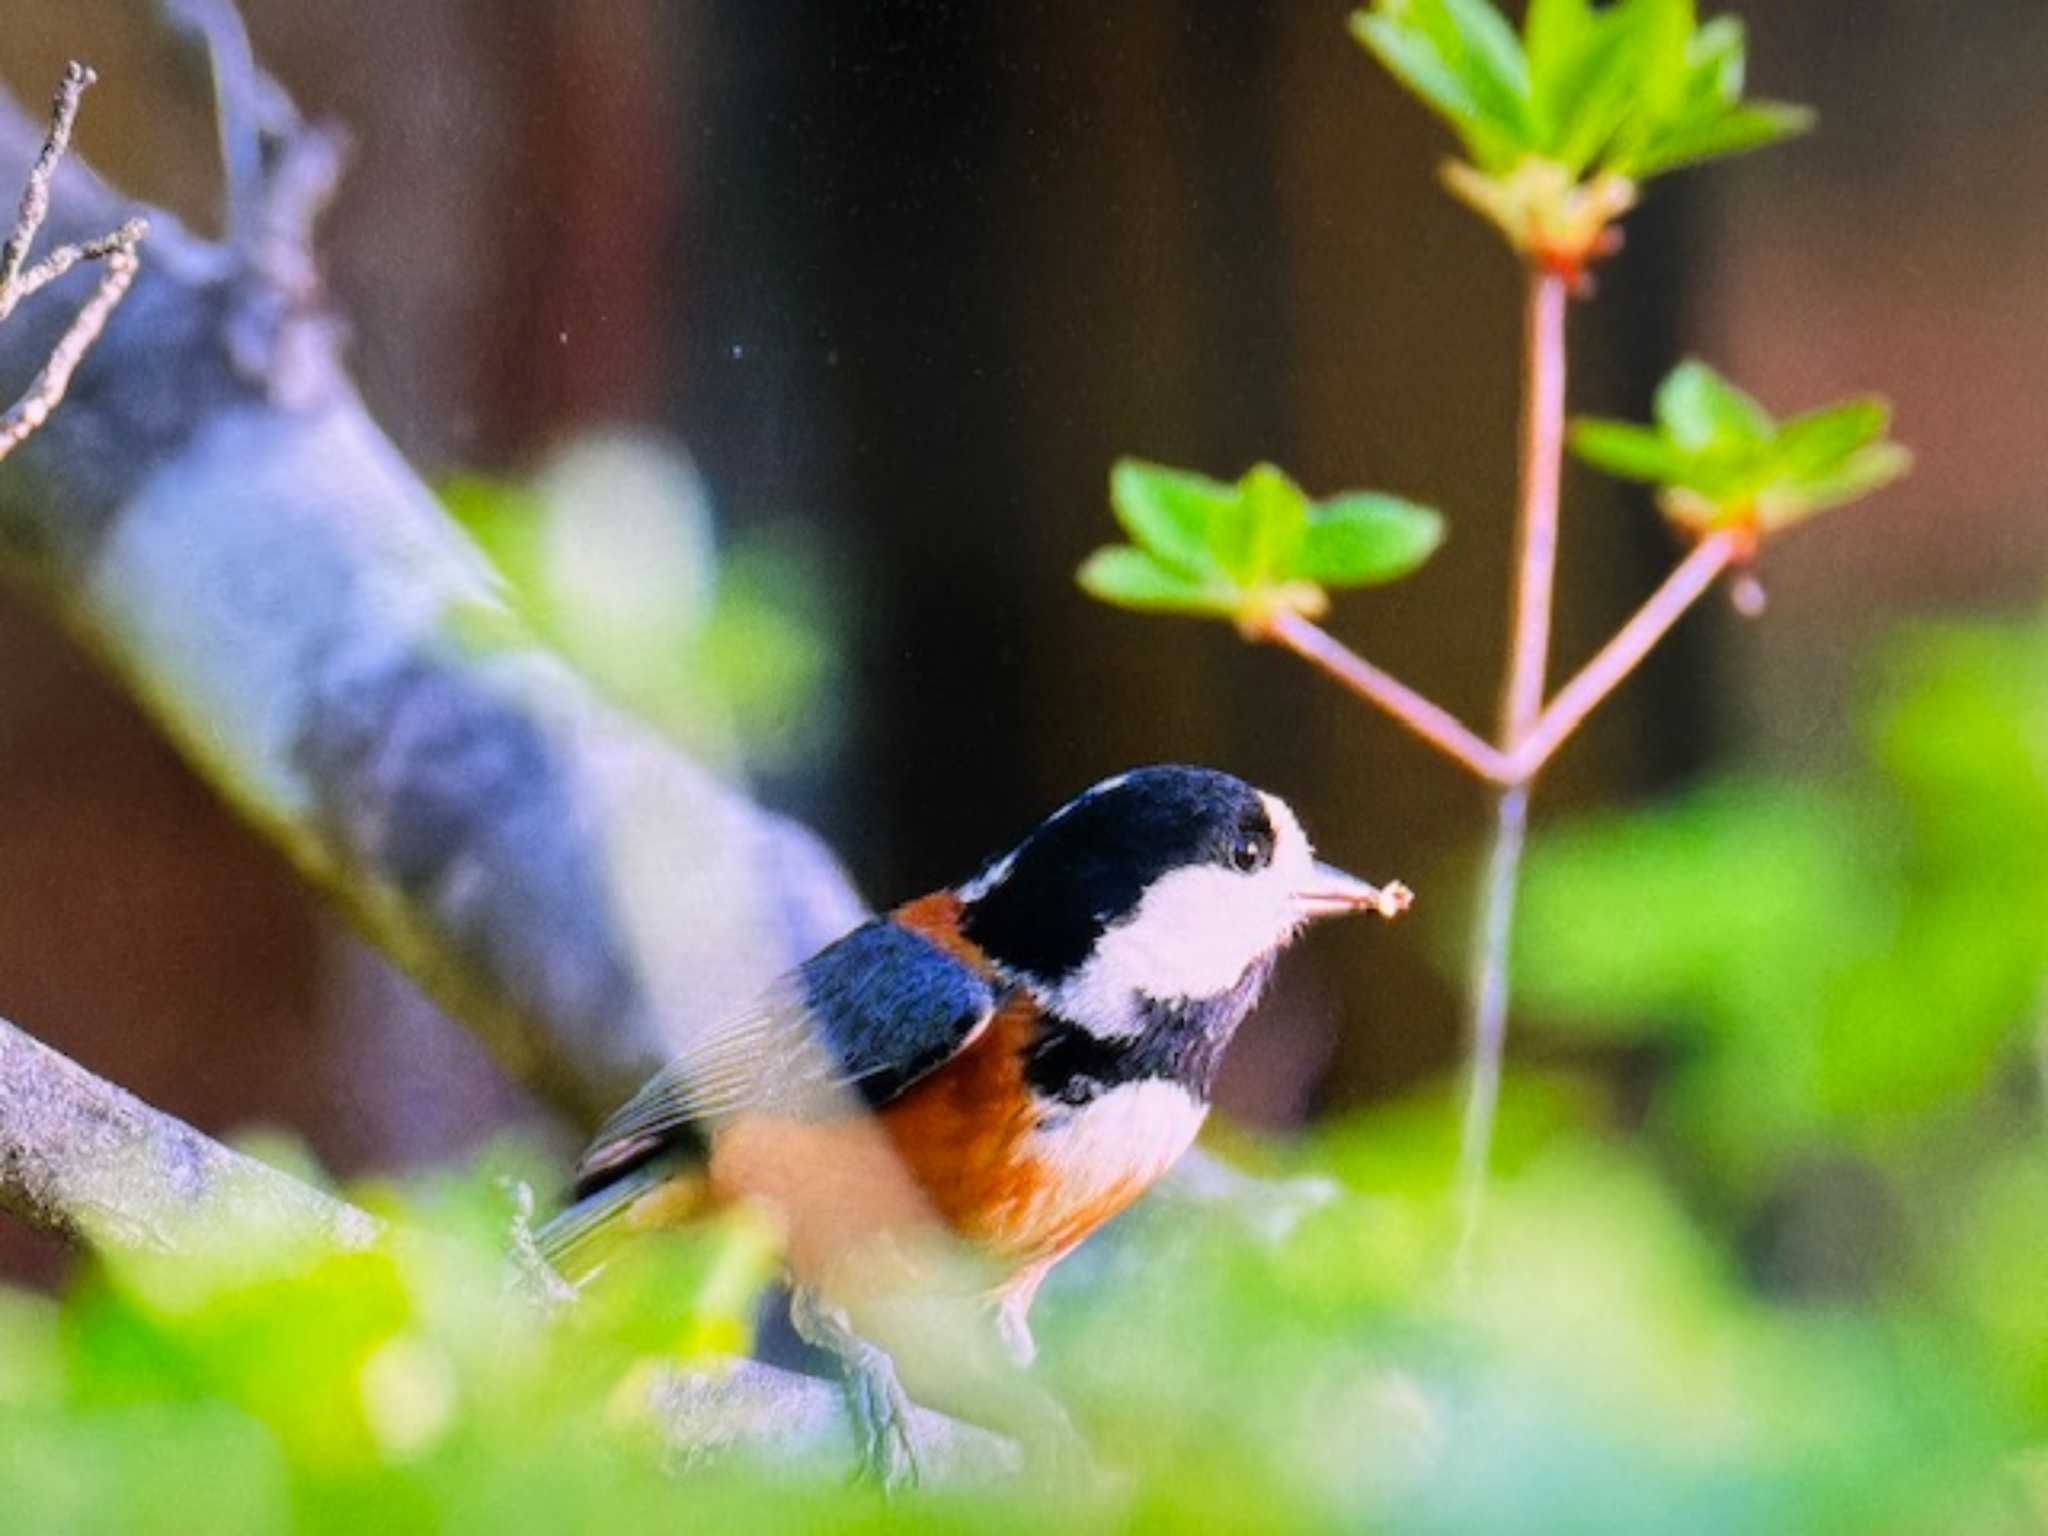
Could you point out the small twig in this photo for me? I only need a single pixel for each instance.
(117, 250)
(47, 388)
(253, 116)
(1426, 719)
(1686, 584)
(35, 197)
(65, 257)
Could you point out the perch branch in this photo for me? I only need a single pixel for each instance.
(88, 1161)
(84, 1159)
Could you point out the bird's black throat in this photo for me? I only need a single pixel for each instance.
(1181, 1041)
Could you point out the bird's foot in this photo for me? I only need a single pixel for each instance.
(885, 1441)
(884, 1437)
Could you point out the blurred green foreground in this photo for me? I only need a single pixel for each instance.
(1767, 1249)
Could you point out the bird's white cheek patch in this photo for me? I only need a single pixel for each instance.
(1195, 935)
(1130, 1135)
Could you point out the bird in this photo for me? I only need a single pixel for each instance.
(949, 1099)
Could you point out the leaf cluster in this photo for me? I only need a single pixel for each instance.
(1562, 121)
(1244, 550)
(1721, 460)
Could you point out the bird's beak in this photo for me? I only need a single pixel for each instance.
(1331, 893)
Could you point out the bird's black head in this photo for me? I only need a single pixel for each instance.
(1161, 883)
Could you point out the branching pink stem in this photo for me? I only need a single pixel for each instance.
(1542, 471)
(1543, 355)
(1426, 719)
(1531, 732)
(1686, 584)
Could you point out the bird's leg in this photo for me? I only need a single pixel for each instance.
(1013, 1315)
(1013, 1328)
(883, 1438)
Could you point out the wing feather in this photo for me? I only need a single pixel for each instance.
(857, 1024)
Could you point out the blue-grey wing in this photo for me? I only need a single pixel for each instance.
(854, 1026)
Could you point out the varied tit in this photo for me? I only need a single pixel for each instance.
(1033, 1048)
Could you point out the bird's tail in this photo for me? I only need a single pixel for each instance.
(663, 1193)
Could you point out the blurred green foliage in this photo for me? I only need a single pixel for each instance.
(1834, 976)
(1794, 1281)
(1721, 459)
(1834, 963)
(1604, 1366)
(609, 556)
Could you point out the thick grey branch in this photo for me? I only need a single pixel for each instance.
(215, 514)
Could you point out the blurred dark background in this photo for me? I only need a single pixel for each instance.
(909, 276)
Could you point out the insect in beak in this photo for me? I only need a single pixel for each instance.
(1331, 893)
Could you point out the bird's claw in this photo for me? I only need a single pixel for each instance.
(884, 1442)
(884, 1439)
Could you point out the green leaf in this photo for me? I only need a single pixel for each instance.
(1488, 53)
(1820, 442)
(1751, 126)
(1668, 28)
(1868, 470)
(1364, 538)
(1413, 57)
(1719, 62)
(1556, 33)
(1702, 412)
(1262, 540)
(1169, 512)
(1630, 452)
(1587, 103)
(1725, 461)
(1131, 578)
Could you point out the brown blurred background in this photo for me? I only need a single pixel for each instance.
(911, 273)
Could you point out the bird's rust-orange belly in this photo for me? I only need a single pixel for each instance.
(956, 1149)
(968, 1133)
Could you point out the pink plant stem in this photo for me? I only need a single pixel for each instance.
(1543, 352)
(1542, 470)
(1625, 652)
(1430, 721)
(1531, 733)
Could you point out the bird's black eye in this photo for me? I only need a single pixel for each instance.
(1251, 852)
